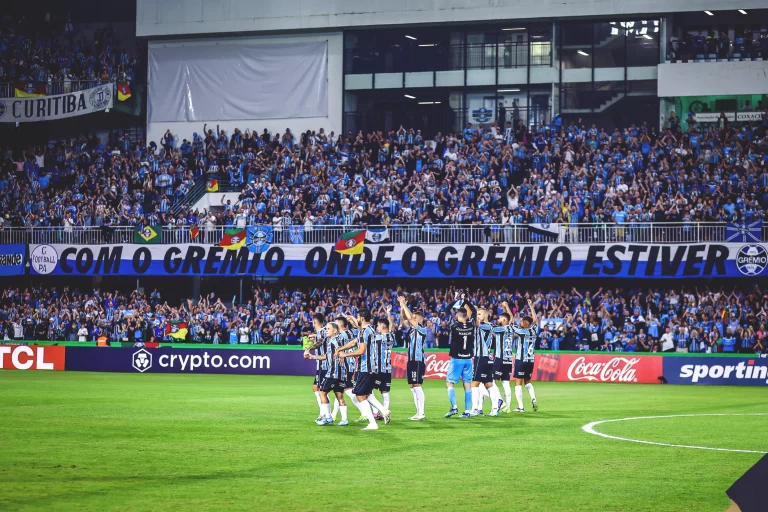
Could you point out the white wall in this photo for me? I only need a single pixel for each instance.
(712, 78)
(180, 17)
(214, 199)
(184, 130)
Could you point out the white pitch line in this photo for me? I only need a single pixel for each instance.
(589, 428)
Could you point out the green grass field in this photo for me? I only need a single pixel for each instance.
(87, 441)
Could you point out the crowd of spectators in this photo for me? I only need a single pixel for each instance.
(47, 50)
(90, 182)
(559, 172)
(748, 43)
(651, 320)
(488, 174)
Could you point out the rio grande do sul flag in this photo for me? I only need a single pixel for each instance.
(233, 239)
(176, 329)
(352, 242)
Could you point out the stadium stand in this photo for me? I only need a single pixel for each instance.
(618, 319)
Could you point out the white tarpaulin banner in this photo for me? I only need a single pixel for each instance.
(217, 82)
(713, 117)
(58, 106)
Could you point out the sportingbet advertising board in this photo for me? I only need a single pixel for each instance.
(730, 371)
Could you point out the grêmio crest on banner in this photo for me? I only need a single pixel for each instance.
(406, 260)
(58, 106)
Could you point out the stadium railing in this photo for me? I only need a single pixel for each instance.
(7, 89)
(574, 233)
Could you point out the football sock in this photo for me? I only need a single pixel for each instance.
(415, 399)
(507, 392)
(529, 387)
(319, 402)
(493, 391)
(477, 399)
(365, 410)
(351, 396)
(375, 403)
(343, 409)
(420, 393)
(385, 400)
(335, 411)
(519, 396)
(452, 397)
(325, 410)
(467, 400)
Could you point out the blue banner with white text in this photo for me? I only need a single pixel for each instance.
(12, 259)
(721, 371)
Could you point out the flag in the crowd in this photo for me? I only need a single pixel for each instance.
(377, 235)
(28, 90)
(233, 239)
(176, 329)
(212, 186)
(194, 231)
(258, 238)
(744, 231)
(123, 91)
(546, 231)
(145, 234)
(352, 242)
(296, 234)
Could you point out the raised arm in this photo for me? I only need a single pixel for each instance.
(533, 313)
(406, 311)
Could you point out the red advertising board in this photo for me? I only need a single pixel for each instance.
(31, 357)
(617, 367)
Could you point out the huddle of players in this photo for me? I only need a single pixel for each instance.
(338, 344)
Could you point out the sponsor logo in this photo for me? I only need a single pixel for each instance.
(744, 371)
(142, 360)
(99, 98)
(436, 368)
(44, 259)
(751, 260)
(616, 369)
(24, 357)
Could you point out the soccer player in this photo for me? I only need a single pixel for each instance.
(369, 352)
(527, 332)
(318, 322)
(504, 345)
(462, 345)
(483, 368)
(332, 379)
(385, 340)
(416, 367)
(347, 369)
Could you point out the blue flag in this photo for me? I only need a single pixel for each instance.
(258, 238)
(296, 234)
(744, 231)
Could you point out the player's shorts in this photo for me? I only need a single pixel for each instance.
(329, 384)
(523, 370)
(364, 383)
(483, 370)
(319, 374)
(383, 382)
(501, 369)
(415, 372)
(459, 369)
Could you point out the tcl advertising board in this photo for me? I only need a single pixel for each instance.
(31, 357)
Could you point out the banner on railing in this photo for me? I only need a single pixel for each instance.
(406, 260)
(59, 106)
(12, 259)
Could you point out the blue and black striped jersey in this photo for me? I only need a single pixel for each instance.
(526, 345)
(385, 342)
(416, 337)
(369, 360)
(484, 339)
(322, 364)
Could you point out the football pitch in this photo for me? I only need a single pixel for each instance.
(89, 441)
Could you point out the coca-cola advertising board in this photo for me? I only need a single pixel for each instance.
(621, 368)
(436, 365)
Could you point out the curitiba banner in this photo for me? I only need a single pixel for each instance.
(406, 260)
(619, 368)
(58, 106)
